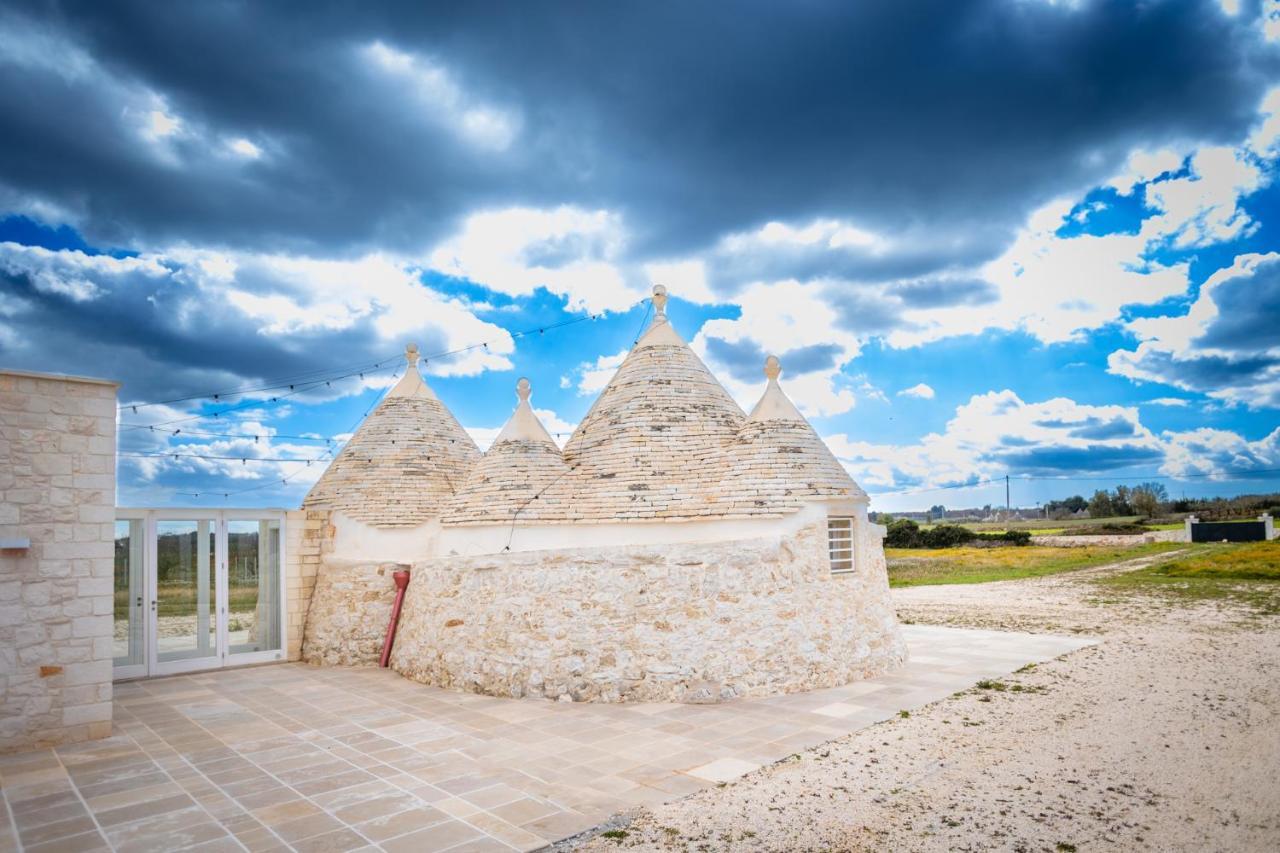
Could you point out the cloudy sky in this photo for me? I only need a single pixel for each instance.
(1018, 237)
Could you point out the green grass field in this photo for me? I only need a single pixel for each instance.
(1245, 573)
(918, 567)
(180, 599)
(1055, 527)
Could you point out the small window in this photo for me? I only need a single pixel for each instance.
(840, 543)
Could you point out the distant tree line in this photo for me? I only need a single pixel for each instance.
(1150, 500)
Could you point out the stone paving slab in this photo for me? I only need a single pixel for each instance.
(292, 757)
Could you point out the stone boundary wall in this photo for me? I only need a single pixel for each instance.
(308, 537)
(1119, 540)
(685, 623)
(350, 608)
(57, 490)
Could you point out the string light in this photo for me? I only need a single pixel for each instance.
(295, 389)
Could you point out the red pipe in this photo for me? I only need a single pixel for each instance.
(402, 583)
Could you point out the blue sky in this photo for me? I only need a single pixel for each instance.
(985, 238)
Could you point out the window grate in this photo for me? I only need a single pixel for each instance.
(840, 544)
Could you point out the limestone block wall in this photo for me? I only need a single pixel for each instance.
(57, 490)
(683, 622)
(308, 537)
(347, 618)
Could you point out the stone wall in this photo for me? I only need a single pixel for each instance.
(1124, 540)
(57, 490)
(308, 537)
(686, 622)
(350, 608)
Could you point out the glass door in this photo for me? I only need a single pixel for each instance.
(129, 649)
(254, 588)
(185, 600)
(197, 589)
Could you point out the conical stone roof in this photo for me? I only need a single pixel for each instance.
(404, 463)
(652, 445)
(777, 462)
(506, 484)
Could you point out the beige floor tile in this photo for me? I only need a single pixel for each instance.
(306, 827)
(401, 823)
(442, 836)
(88, 842)
(723, 770)
(144, 809)
(523, 811)
(57, 829)
(314, 749)
(386, 804)
(338, 841)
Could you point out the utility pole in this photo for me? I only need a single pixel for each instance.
(1008, 508)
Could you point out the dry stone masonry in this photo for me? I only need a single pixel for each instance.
(676, 550)
(404, 462)
(349, 610)
(57, 515)
(682, 623)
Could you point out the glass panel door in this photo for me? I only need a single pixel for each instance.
(129, 650)
(184, 605)
(253, 586)
(197, 589)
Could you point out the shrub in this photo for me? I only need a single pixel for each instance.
(1013, 537)
(947, 536)
(903, 533)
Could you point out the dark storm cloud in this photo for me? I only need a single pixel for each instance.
(1203, 372)
(1092, 428)
(154, 330)
(1248, 318)
(1105, 430)
(744, 359)
(694, 121)
(1235, 353)
(1050, 460)
(943, 293)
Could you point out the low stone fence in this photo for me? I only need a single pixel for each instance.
(1115, 541)
(684, 623)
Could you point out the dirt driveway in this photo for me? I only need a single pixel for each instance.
(1166, 736)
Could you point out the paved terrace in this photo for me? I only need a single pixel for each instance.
(294, 757)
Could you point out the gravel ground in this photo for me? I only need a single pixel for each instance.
(1166, 736)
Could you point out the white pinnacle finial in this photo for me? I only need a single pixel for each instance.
(524, 424)
(659, 300)
(774, 405)
(411, 384)
(772, 368)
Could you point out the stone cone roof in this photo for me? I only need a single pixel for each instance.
(506, 484)
(776, 461)
(652, 445)
(404, 463)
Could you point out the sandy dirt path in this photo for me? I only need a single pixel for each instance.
(1165, 736)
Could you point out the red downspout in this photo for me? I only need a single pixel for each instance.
(402, 583)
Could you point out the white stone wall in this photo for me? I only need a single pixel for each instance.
(682, 622)
(57, 488)
(309, 536)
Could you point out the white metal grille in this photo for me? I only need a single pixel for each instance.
(840, 544)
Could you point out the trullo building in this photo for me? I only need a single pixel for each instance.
(677, 549)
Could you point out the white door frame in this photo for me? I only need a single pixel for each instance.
(241, 658)
(152, 665)
(155, 666)
(138, 606)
